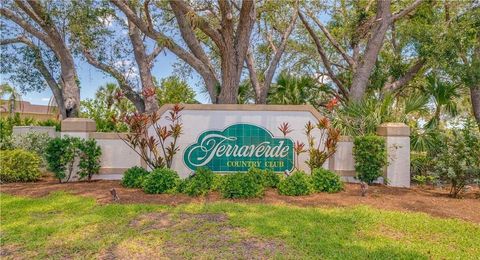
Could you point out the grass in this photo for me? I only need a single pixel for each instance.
(67, 226)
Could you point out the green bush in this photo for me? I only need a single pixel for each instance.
(63, 154)
(458, 161)
(242, 185)
(370, 155)
(161, 181)
(217, 182)
(19, 166)
(90, 154)
(133, 177)
(297, 184)
(33, 142)
(199, 183)
(326, 181)
(268, 177)
(60, 155)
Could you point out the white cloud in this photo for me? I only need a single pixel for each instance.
(106, 21)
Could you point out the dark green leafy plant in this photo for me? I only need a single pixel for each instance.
(19, 166)
(217, 182)
(133, 177)
(458, 162)
(268, 177)
(370, 155)
(242, 185)
(161, 181)
(90, 154)
(326, 181)
(297, 184)
(63, 155)
(60, 156)
(199, 183)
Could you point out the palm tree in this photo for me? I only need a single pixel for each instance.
(443, 95)
(293, 90)
(13, 97)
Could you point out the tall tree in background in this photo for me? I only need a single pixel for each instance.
(42, 30)
(274, 15)
(105, 46)
(226, 25)
(365, 40)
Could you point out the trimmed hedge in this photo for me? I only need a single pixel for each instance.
(297, 184)
(326, 181)
(19, 166)
(161, 181)
(134, 177)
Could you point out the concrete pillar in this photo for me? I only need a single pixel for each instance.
(397, 137)
(78, 127)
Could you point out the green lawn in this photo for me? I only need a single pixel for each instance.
(67, 226)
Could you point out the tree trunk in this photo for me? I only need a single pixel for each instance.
(144, 68)
(261, 94)
(70, 89)
(475, 97)
(374, 44)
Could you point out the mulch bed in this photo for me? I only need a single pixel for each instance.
(431, 201)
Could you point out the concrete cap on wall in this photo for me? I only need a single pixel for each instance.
(393, 129)
(78, 125)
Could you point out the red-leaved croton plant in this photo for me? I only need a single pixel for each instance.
(320, 148)
(157, 149)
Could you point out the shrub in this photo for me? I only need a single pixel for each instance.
(242, 185)
(19, 166)
(60, 156)
(160, 181)
(33, 142)
(63, 155)
(217, 182)
(370, 155)
(297, 184)
(133, 177)
(268, 177)
(458, 161)
(90, 154)
(199, 183)
(326, 181)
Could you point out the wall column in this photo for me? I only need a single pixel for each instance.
(78, 127)
(397, 137)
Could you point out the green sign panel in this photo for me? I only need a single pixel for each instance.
(238, 148)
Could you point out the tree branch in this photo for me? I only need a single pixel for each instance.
(409, 75)
(334, 42)
(250, 61)
(26, 26)
(42, 68)
(323, 56)
(188, 13)
(121, 79)
(405, 11)
(269, 73)
(207, 74)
